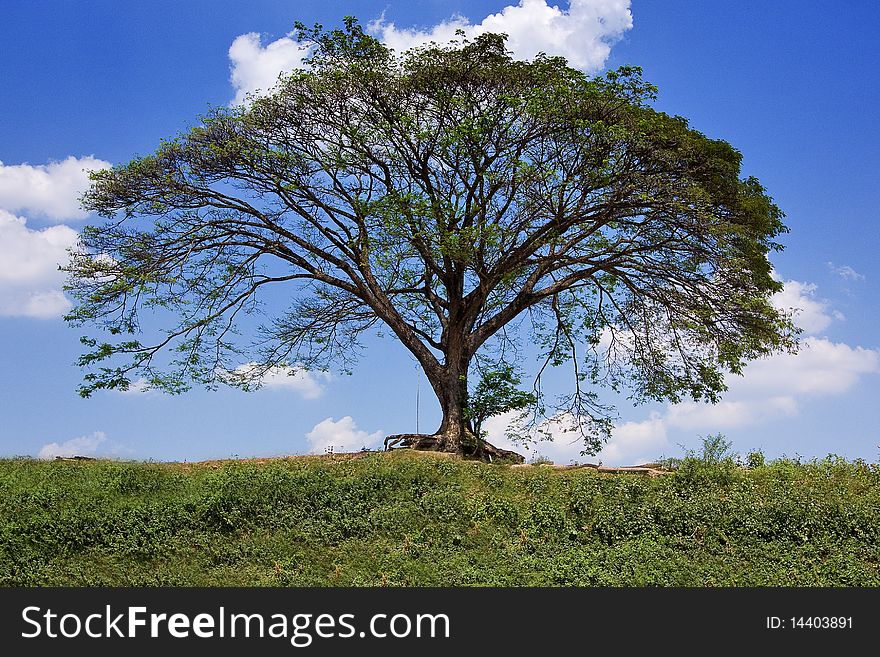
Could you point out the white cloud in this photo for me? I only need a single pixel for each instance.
(31, 255)
(769, 389)
(82, 446)
(846, 272)
(342, 435)
(630, 443)
(821, 367)
(255, 68)
(811, 314)
(50, 304)
(583, 34)
(496, 429)
(47, 190)
(139, 386)
(728, 414)
(30, 283)
(310, 385)
(778, 386)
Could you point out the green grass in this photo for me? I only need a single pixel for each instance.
(405, 519)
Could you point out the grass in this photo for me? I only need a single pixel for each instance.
(407, 519)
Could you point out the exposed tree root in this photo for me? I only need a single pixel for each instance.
(485, 451)
(469, 448)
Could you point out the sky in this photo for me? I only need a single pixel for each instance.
(791, 84)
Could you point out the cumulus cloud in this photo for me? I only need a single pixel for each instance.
(49, 304)
(47, 190)
(342, 435)
(254, 68)
(821, 367)
(813, 315)
(310, 385)
(770, 389)
(139, 386)
(630, 443)
(30, 283)
(635, 442)
(82, 446)
(729, 414)
(29, 255)
(778, 386)
(846, 272)
(583, 33)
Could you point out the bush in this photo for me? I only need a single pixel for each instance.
(418, 519)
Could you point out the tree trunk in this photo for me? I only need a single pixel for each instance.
(449, 382)
(453, 432)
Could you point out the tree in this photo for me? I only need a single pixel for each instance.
(496, 393)
(457, 198)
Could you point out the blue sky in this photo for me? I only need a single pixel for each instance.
(790, 84)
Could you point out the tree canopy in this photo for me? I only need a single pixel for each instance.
(455, 197)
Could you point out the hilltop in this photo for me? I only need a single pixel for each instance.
(422, 519)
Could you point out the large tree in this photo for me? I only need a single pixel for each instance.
(455, 197)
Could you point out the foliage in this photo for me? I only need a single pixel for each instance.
(715, 448)
(755, 459)
(496, 393)
(448, 194)
(404, 519)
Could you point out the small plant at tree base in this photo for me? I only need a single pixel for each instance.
(496, 393)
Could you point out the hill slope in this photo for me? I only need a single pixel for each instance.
(405, 519)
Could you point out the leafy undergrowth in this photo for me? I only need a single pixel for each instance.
(405, 519)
